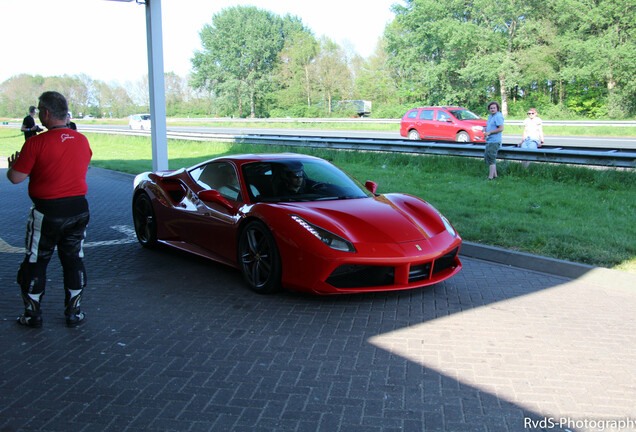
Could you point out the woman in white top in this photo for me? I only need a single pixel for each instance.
(532, 132)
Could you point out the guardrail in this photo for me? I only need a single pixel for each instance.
(596, 157)
(580, 156)
(588, 156)
(574, 123)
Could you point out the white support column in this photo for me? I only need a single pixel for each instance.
(156, 85)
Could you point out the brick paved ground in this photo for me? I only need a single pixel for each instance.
(176, 343)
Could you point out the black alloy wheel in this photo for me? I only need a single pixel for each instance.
(259, 259)
(144, 220)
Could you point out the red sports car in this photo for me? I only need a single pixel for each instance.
(296, 221)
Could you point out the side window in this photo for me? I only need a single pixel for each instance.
(259, 180)
(442, 116)
(426, 115)
(412, 114)
(219, 176)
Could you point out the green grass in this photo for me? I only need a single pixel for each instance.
(571, 213)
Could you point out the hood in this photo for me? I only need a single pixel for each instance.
(479, 122)
(393, 218)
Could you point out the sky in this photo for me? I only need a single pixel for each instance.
(107, 39)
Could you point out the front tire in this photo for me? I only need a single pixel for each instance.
(462, 137)
(144, 220)
(414, 135)
(259, 259)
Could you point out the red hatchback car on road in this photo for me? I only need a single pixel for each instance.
(447, 123)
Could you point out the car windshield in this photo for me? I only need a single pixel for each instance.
(464, 114)
(145, 116)
(286, 180)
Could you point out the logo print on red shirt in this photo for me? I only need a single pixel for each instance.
(66, 136)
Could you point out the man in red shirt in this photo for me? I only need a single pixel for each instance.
(56, 162)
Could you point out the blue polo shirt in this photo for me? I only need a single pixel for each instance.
(494, 121)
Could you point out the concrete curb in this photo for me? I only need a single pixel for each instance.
(601, 276)
(524, 260)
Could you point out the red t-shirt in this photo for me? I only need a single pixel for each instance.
(56, 162)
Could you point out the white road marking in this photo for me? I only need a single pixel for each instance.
(128, 231)
(6, 247)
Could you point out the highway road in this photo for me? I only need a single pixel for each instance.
(559, 141)
(562, 141)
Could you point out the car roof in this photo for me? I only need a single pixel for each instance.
(241, 159)
(440, 106)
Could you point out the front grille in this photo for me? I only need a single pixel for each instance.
(445, 262)
(419, 272)
(358, 276)
(361, 276)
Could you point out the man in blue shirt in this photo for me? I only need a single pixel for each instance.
(494, 128)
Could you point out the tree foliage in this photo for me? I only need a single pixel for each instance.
(240, 50)
(330, 73)
(580, 53)
(566, 57)
(294, 72)
(98, 98)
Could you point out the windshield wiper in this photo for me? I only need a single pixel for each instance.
(326, 198)
(339, 197)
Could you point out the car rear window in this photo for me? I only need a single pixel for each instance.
(412, 114)
(426, 114)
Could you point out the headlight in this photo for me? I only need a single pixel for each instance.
(448, 226)
(478, 128)
(328, 238)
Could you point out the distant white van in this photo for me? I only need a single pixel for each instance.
(139, 121)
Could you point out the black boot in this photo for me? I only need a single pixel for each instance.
(29, 320)
(74, 318)
(32, 316)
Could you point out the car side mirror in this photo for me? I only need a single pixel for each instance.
(371, 186)
(213, 195)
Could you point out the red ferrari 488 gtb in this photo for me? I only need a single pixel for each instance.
(298, 222)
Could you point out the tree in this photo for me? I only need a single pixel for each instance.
(240, 50)
(375, 80)
(294, 70)
(429, 45)
(602, 49)
(139, 91)
(113, 100)
(448, 49)
(18, 93)
(331, 72)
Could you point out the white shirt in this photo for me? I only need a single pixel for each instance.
(533, 127)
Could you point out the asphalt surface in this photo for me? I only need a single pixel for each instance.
(176, 343)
